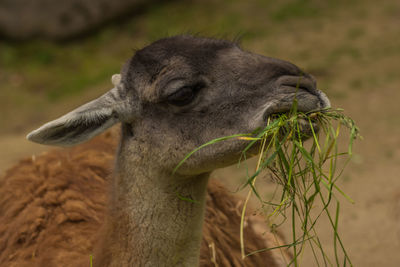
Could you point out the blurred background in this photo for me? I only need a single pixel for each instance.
(55, 56)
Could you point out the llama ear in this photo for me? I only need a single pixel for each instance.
(86, 121)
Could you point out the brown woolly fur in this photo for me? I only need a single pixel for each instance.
(53, 205)
(221, 233)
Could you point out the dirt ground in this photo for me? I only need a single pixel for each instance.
(354, 53)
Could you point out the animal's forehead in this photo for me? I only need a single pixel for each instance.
(192, 51)
(185, 46)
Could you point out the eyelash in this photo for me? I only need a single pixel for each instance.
(184, 95)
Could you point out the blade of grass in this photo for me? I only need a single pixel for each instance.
(204, 145)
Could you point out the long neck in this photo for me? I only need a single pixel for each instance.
(152, 219)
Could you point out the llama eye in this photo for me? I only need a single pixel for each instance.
(183, 96)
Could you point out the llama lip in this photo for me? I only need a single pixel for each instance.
(323, 99)
(303, 84)
(307, 102)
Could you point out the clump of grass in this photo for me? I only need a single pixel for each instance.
(306, 174)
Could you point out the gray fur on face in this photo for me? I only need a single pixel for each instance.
(232, 91)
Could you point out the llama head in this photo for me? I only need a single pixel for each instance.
(181, 92)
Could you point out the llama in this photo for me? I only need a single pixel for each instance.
(171, 97)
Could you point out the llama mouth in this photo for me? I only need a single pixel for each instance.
(302, 88)
(307, 104)
(307, 125)
(307, 101)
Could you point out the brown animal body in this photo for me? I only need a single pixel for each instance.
(53, 205)
(171, 97)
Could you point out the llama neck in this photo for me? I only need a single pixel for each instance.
(149, 222)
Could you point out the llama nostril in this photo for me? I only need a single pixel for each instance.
(308, 83)
(305, 82)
